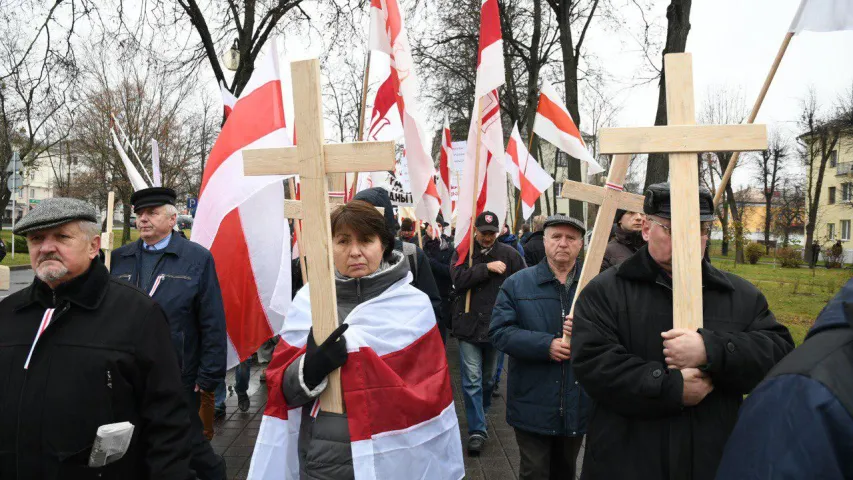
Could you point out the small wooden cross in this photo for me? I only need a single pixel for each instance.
(683, 139)
(313, 160)
(107, 236)
(610, 198)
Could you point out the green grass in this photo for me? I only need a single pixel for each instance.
(795, 295)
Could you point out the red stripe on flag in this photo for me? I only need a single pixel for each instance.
(282, 357)
(257, 114)
(398, 390)
(529, 193)
(246, 320)
(558, 117)
(490, 26)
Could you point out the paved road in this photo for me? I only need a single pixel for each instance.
(20, 280)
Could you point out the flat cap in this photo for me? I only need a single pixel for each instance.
(53, 212)
(563, 219)
(657, 202)
(152, 197)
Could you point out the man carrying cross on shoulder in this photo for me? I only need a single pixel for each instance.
(667, 399)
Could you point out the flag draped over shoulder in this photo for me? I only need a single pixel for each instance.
(527, 175)
(388, 35)
(444, 163)
(823, 16)
(240, 219)
(489, 188)
(554, 124)
(396, 388)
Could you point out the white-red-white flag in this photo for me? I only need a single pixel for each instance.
(445, 171)
(240, 219)
(526, 174)
(388, 35)
(554, 124)
(823, 16)
(136, 180)
(396, 388)
(489, 188)
(228, 100)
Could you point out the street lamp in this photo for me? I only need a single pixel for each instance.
(231, 59)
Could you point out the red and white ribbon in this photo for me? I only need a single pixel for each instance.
(156, 284)
(614, 186)
(45, 321)
(315, 410)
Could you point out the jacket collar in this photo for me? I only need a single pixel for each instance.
(544, 274)
(352, 291)
(632, 240)
(641, 267)
(175, 247)
(86, 291)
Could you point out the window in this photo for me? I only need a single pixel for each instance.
(831, 195)
(830, 231)
(32, 192)
(558, 189)
(833, 158)
(845, 230)
(845, 192)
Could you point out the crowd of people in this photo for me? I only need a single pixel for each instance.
(145, 343)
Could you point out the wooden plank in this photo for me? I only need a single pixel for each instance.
(294, 209)
(338, 158)
(5, 277)
(683, 139)
(108, 234)
(684, 196)
(316, 229)
(603, 222)
(594, 194)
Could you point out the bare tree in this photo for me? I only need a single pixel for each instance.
(791, 209)
(768, 173)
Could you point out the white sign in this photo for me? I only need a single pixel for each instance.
(459, 149)
(401, 192)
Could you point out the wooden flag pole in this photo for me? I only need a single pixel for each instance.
(297, 230)
(518, 204)
(107, 236)
(474, 197)
(420, 236)
(361, 118)
(727, 175)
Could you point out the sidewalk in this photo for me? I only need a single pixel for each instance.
(236, 433)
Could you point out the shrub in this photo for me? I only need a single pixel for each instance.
(754, 251)
(789, 257)
(833, 255)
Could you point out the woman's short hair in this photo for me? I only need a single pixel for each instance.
(365, 221)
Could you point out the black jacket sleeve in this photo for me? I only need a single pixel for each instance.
(440, 271)
(426, 282)
(738, 361)
(211, 325)
(165, 421)
(623, 382)
(465, 278)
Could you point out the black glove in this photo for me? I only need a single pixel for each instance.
(322, 360)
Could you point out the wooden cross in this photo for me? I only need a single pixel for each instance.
(610, 198)
(108, 234)
(313, 160)
(682, 139)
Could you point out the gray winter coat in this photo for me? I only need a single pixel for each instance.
(324, 442)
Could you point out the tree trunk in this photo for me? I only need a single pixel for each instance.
(678, 26)
(125, 231)
(767, 213)
(737, 223)
(724, 246)
(570, 83)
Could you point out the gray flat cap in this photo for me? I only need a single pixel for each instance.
(53, 212)
(562, 219)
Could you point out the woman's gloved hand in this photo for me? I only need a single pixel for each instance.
(322, 360)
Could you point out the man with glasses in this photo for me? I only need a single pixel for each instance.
(667, 399)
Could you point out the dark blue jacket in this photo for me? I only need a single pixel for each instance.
(189, 293)
(793, 425)
(543, 396)
(512, 241)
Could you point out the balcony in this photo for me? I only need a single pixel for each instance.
(844, 168)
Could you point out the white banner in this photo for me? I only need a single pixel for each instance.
(459, 149)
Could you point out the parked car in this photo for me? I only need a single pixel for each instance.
(185, 222)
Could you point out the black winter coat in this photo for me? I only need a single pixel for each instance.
(439, 261)
(484, 285)
(104, 358)
(639, 428)
(534, 249)
(621, 247)
(542, 395)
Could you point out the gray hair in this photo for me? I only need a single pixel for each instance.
(170, 209)
(89, 229)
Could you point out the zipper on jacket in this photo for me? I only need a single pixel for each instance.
(358, 290)
(109, 380)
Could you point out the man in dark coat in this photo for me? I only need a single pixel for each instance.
(180, 275)
(667, 399)
(493, 262)
(534, 247)
(439, 249)
(79, 350)
(627, 238)
(799, 422)
(545, 405)
(507, 238)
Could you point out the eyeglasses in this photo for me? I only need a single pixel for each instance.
(704, 227)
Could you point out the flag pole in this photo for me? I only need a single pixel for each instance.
(361, 118)
(518, 204)
(420, 236)
(731, 166)
(297, 229)
(474, 197)
(133, 150)
(107, 237)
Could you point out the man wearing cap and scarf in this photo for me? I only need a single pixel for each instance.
(545, 405)
(667, 399)
(493, 262)
(79, 350)
(627, 238)
(181, 277)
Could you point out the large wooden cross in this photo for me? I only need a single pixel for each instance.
(313, 160)
(609, 198)
(682, 139)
